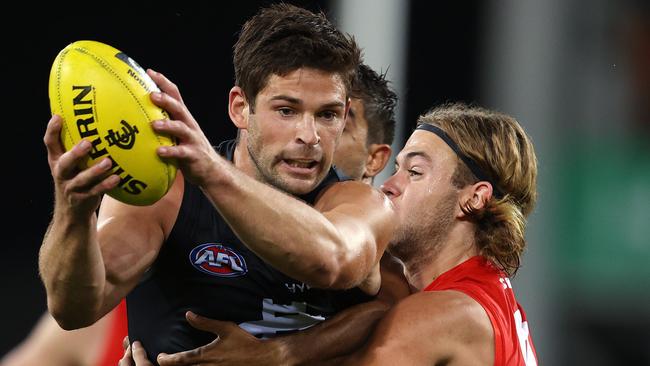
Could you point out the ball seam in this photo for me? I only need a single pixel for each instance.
(108, 68)
(65, 130)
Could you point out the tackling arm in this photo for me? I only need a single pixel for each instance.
(340, 335)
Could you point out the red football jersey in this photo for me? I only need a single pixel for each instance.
(481, 280)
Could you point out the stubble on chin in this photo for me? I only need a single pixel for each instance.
(425, 234)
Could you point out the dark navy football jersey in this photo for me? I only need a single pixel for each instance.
(205, 268)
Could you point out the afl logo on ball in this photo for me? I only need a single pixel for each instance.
(218, 260)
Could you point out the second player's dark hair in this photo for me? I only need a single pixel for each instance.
(379, 103)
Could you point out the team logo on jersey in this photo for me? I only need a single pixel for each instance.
(218, 260)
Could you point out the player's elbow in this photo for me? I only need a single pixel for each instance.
(349, 275)
(321, 273)
(338, 273)
(70, 322)
(69, 318)
(341, 264)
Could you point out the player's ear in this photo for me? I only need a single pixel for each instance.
(474, 198)
(378, 155)
(238, 107)
(348, 104)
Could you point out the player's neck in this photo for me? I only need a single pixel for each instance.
(457, 248)
(242, 159)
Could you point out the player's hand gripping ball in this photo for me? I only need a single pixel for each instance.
(103, 97)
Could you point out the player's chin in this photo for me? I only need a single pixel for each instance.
(301, 184)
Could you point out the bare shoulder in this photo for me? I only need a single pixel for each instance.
(433, 327)
(459, 316)
(433, 312)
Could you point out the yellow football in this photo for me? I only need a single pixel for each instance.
(103, 97)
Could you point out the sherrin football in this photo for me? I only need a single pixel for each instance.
(103, 97)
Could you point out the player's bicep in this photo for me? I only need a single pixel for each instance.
(129, 241)
(130, 238)
(362, 215)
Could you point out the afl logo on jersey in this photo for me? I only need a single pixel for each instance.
(218, 260)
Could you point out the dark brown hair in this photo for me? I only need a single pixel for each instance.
(282, 38)
(379, 103)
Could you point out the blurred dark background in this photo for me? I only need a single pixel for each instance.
(575, 73)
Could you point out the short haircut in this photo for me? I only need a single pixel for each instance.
(282, 38)
(379, 103)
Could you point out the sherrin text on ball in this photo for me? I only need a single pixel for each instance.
(103, 97)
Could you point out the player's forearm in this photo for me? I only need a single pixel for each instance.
(72, 271)
(284, 231)
(341, 335)
(340, 339)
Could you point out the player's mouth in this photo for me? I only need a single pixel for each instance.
(300, 166)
